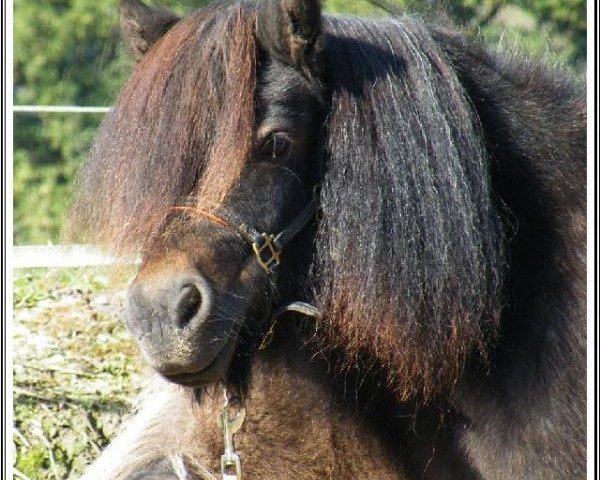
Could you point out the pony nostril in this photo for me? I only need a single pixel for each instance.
(188, 304)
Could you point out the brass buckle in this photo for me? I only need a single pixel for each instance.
(267, 252)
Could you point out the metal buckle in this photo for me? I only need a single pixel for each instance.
(267, 252)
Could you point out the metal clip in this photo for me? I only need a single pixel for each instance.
(268, 338)
(267, 252)
(231, 468)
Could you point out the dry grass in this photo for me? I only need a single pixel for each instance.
(76, 370)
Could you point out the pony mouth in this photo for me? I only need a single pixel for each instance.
(212, 373)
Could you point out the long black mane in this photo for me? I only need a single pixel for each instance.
(411, 245)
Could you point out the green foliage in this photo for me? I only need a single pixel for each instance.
(68, 52)
(567, 19)
(357, 7)
(555, 28)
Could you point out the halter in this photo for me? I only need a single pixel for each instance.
(267, 247)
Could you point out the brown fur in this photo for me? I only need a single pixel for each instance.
(294, 428)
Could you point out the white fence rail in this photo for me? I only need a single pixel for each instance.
(61, 256)
(58, 109)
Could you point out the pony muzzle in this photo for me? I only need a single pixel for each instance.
(169, 317)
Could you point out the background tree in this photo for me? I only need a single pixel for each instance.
(68, 52)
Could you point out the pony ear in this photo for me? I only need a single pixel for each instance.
(142, 26)
(290, 31)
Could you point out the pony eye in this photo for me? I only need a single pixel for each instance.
(275, 146)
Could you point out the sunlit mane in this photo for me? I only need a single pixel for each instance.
(187, 113)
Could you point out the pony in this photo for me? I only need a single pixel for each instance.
(422, 191)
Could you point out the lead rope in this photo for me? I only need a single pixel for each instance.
(231, 467)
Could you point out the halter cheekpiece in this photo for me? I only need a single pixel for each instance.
(267, 247)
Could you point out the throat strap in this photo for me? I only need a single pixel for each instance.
(296, 307)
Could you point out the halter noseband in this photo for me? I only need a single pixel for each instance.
(267, 247)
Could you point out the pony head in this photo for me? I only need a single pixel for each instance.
(241, 117)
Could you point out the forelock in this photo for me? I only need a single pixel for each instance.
(182, 126)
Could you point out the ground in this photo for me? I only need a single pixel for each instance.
(76, 369)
